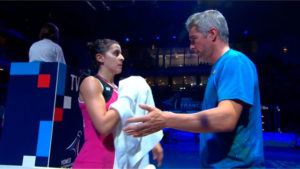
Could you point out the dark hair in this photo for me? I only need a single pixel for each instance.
(50, 31)
(99, 46)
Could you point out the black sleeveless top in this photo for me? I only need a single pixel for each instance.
(107, 89)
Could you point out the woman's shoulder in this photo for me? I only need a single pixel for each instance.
(90, 83)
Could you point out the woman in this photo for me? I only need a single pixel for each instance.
(95, 96)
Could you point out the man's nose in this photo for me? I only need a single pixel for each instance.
(192, 47)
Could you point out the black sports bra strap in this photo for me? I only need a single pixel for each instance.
(107, 89)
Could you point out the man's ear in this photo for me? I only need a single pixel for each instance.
(99, 58)
(212, 34)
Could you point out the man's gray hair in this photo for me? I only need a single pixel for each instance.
(204, 21)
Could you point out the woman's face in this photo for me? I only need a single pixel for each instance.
(113, 59)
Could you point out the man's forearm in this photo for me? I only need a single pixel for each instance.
(211, 120)
(185, 122)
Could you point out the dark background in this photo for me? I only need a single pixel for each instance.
(260, 29)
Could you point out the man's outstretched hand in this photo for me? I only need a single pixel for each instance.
(154, 121)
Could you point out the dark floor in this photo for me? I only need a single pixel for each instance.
(181, 150)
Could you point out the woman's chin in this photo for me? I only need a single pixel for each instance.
(118, 72)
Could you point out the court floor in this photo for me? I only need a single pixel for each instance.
(182, 151)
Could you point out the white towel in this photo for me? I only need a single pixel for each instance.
(131, 152)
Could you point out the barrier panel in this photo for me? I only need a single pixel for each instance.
(42, 122)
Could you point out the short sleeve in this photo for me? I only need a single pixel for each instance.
(60, 55)
(236, 81)
(30, 55)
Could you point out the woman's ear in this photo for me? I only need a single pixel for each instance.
(99, 58)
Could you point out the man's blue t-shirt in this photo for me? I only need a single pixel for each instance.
(234, 77)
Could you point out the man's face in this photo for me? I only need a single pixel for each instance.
(199, 44)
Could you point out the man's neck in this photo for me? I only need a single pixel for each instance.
(219, 51)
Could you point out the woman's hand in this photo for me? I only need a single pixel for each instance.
(158, 154)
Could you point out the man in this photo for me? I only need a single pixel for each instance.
(230, 122)
(47, 48)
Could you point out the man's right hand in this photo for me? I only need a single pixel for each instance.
(154, 121)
